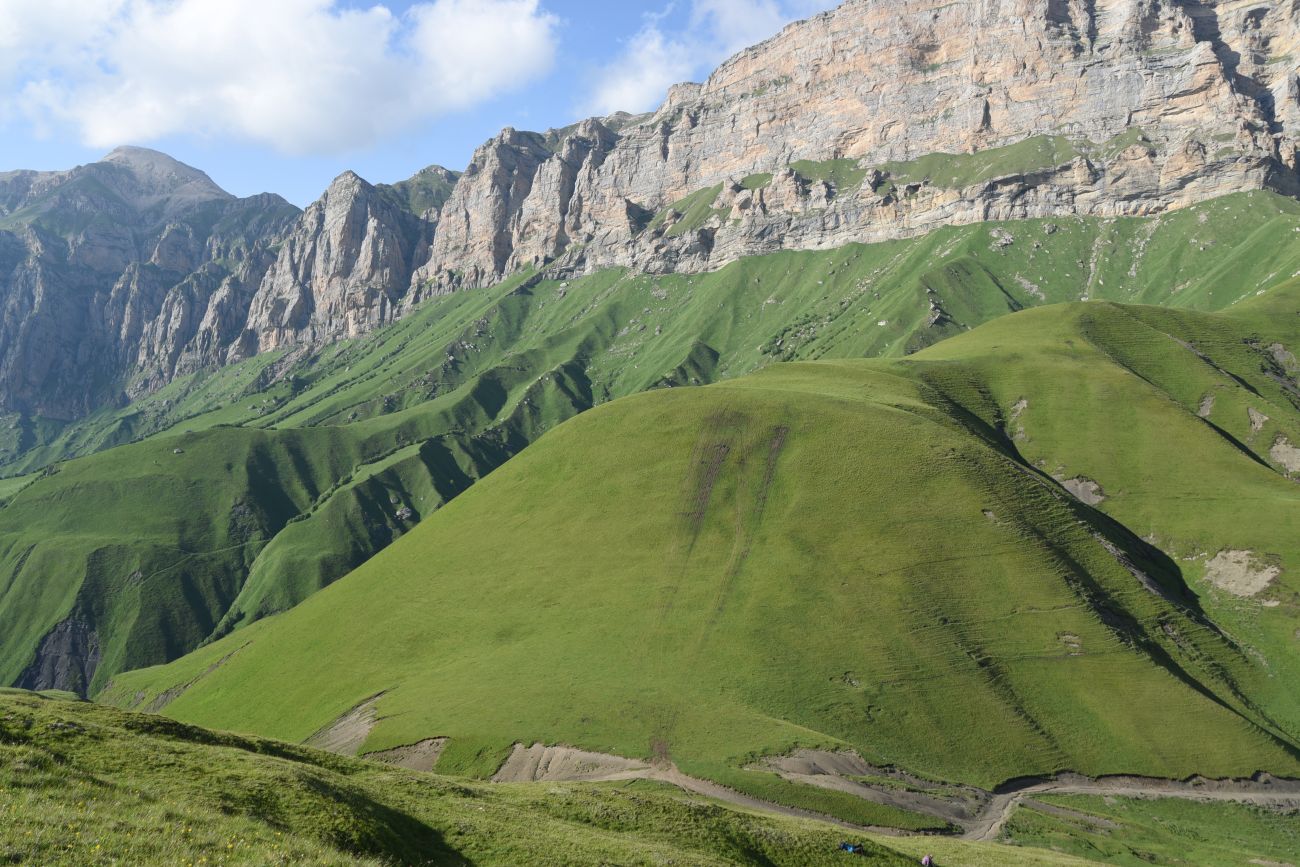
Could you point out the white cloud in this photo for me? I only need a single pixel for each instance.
(474, 49)
(655, 58)
(737, 24)
(651, 64)
(305, 76)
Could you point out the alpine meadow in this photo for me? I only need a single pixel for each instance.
(887, 449)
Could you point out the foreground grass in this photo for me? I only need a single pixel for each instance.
(81, 784)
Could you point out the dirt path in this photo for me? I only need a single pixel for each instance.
(981, 815)
(540, 763)
(731, 796)
(1265, 791)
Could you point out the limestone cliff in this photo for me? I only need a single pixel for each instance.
(1101, 107)
(341, 271)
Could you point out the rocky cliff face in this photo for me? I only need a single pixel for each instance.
(118, 275)
(880, 119)
(1141, 106)
(343, 269)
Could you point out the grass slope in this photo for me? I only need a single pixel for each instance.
(1137, 832)
(414, 414)
(854, 554)
(81, 784)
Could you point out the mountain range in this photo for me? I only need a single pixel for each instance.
(871, 122)
(903, 422)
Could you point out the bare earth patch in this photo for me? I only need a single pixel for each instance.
(1240, 573)
(563, 764)
(347, 733)
(1257, 419)
(420, 756)
(540, 763)
(980, 814)
(1285, 454)
(1085, 490)
(816, 762)
(1016, 411)
(1207, 406)
(843, 772)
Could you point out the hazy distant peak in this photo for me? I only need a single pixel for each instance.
(160, 174)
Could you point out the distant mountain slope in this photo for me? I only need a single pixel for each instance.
(874, 121)
(894, 556)
(347, 449)
(118, 275)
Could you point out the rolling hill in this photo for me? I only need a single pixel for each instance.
(294, 470)
(1061, 541)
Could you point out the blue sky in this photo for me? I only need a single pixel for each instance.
(283, 95)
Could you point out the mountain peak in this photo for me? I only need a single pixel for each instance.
(348, 179)
(160, 174)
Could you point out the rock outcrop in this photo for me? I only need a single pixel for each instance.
(342, 271)
(65, 660)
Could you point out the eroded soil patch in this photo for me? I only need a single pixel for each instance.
(560, 764)
(420, 756)
(347, 733)
(1241, 573)
(1285, 454)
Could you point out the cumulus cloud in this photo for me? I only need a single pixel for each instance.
(657, 57)
(305, 76)
(652, 62)
(736, 24)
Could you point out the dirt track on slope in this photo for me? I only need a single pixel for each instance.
(981, 815)
(1265, 791)
(347, 733)
(420, 756)
(540, 763)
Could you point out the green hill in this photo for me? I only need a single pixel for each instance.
(882, 556)
(311, 466)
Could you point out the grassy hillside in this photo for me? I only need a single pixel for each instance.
(1139, 832)
(876, 555)
(370, 436)
(80, 784)
(783, 306)
(84, 784)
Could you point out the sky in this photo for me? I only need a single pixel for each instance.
(283, 95)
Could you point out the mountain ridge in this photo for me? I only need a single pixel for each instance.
(834, 130)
